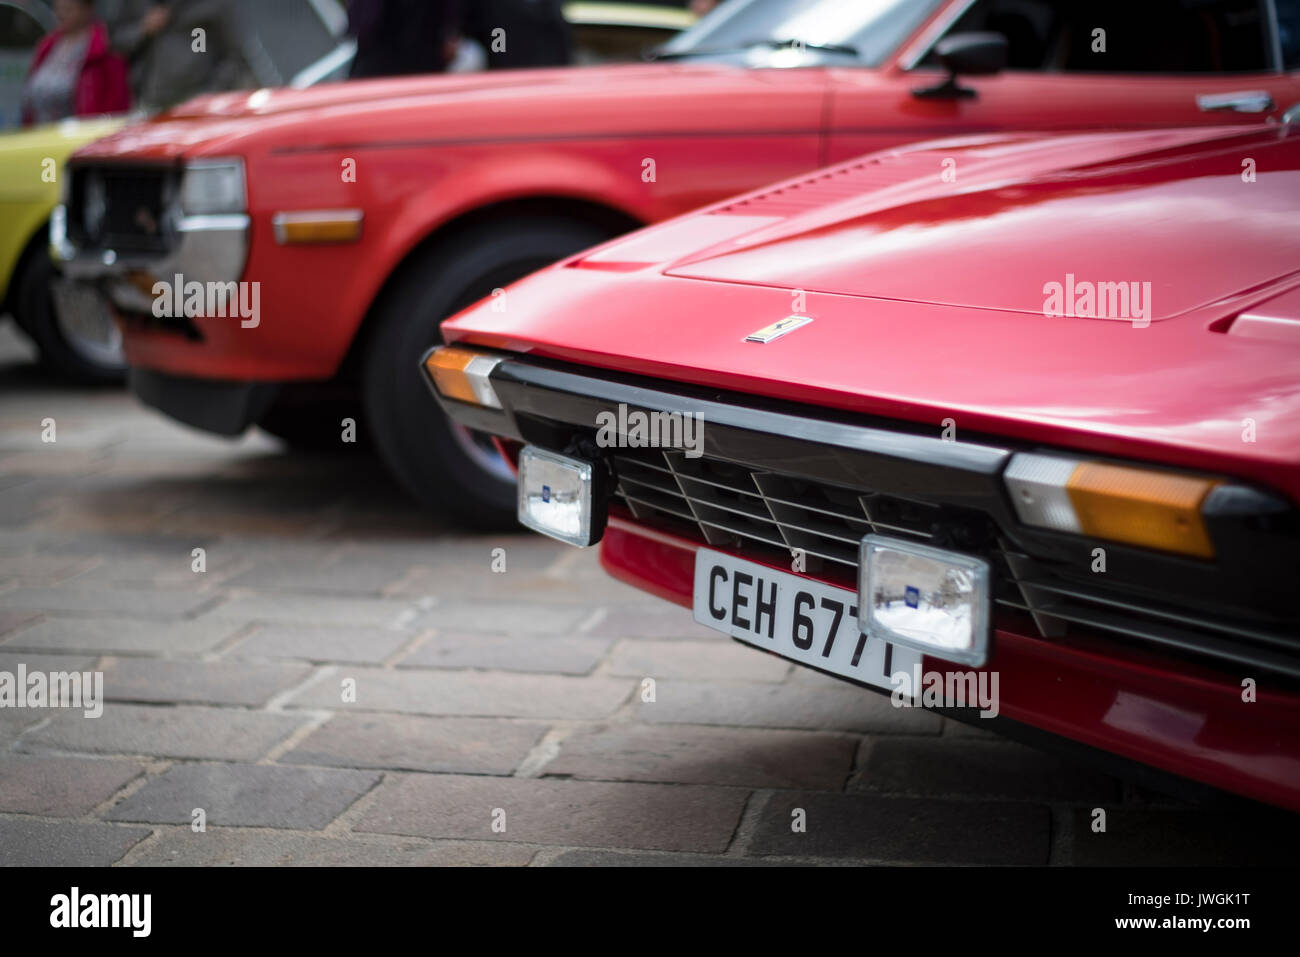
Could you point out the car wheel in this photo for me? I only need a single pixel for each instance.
(307, 420)
(444, 466)
(83, 345)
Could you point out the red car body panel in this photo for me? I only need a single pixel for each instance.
(1115, 389)
(1189, 722)
(953, 333)
(432, 149)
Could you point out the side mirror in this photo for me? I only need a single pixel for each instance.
(968, 54)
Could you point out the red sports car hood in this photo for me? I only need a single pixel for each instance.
(976, 299)
(990, 225)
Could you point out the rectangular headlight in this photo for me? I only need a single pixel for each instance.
(213, 187)
(926, 598)
(560, 496)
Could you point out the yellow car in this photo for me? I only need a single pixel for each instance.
(76, 338)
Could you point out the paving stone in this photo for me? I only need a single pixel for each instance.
(698, 660)
(317, 609)
(1245, 835)
(237, 847)
(218, 734)
(36, 569)
(574, 813)
(25, 503)
(175, 570)
(52, 462)
(128, 544)
(536, 570)
(14, 721)
(199, 682)
(25, 842)
(660, 620)
(691, 755)
(843, 707)
(322, 643)
(524, 554)
(485, 694)
(334, 577)
(144, 603)
(124, 636)
(249, 795)
(11, 619)
(503, 616)
(631, 859)
(529, 653)
(978, 768)
(402, 742)
(56, 786)
(904, 830)
(35, 661)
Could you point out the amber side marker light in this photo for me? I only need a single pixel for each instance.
(1118, 503)
(318, 226)
(462, 374)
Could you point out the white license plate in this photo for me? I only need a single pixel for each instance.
(794, 617)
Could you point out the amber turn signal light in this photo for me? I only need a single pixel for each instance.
(463, 374)
(1140, 507)
(1118, 503)
(318, 226)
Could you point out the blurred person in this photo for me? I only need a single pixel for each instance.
(74, 72)
(701, 7)
(401, 37)
(520, 33)
(169, 64)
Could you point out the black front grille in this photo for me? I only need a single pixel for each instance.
(124, 209)
(734, 505)
(768, 515)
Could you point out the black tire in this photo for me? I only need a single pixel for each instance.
(426, 452)
(307, 420)
(61, 353)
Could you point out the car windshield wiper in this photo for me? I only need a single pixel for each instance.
(790, 44)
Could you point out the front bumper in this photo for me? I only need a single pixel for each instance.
(1151, 667)
(226, 408)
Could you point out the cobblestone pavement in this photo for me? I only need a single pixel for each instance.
(480, 697)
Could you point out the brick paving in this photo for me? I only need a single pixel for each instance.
(349, 682)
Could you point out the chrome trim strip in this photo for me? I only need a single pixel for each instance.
(919, 47)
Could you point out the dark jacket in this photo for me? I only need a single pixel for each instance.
(400, 37)
(535, 32)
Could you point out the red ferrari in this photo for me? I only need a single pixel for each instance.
(1007, 426)
(266, 252)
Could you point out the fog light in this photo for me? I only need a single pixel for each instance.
(560, 497)
(926, 598)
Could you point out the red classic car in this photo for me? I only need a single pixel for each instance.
(356, 217)
(1025, 439)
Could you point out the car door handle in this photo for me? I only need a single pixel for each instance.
(1250, 101)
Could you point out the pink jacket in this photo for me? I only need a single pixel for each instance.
(103, 86)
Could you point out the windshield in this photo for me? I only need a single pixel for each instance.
(866, 31)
